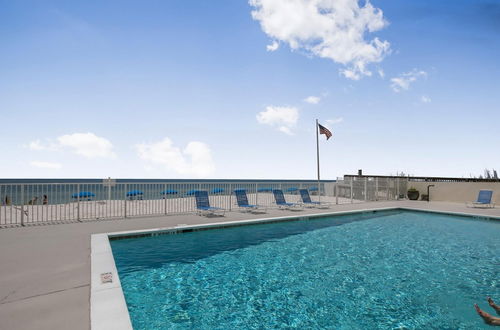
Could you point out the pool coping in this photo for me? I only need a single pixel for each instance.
(108, 308)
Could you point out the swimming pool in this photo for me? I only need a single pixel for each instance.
(393, 269)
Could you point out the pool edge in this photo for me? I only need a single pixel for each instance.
(108, 309)
(460, 214)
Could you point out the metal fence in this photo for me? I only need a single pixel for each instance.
(365, 188)
(24, 204)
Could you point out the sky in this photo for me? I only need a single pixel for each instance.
(231, 89)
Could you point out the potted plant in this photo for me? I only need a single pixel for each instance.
(413, 194)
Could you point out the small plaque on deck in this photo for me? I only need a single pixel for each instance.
(107, 278)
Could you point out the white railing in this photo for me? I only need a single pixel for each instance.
(26, 203)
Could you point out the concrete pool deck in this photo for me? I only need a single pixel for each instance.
(45, 269)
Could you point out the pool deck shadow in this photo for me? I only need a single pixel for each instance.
(45, 270)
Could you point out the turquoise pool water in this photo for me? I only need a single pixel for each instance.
(391, 270)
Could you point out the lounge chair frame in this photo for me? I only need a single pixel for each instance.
(203, 205)
(483, 200)
(306, 200)
(244, 206)
(279, 198)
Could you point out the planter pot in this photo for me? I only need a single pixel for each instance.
(413, 195)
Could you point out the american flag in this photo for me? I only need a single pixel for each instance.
(324, 130)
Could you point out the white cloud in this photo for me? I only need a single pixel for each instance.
(312, 99)
(332, 29)
(48, 165)
(425, 99)
(285, 118)
(404, 80)
(381, 73)
(335, 120)
(272, 47)
(37, 145)
(352, 74)
(87, 144)
(195, 159)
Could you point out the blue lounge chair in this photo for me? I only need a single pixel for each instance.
(483, 200)
(282, 204)
(306, 199)
(242, 200)
(203, 204)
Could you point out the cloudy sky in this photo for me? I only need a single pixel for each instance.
(231, 89)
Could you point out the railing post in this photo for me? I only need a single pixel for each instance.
(230, 196)
(108, 205)
(78, 202)
(352, 192)
(366, 188)
(22, 204)
(165, 197)
(319, 191)
(376, 189)
(406, 188)
(257, 193)
(125, 201)
(336, 193)
(387, 188)
(397, 188)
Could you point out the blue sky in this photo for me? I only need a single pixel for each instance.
(206, 89)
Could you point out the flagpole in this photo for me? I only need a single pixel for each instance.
(317, 159)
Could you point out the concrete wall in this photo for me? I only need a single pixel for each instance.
(457, 191)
